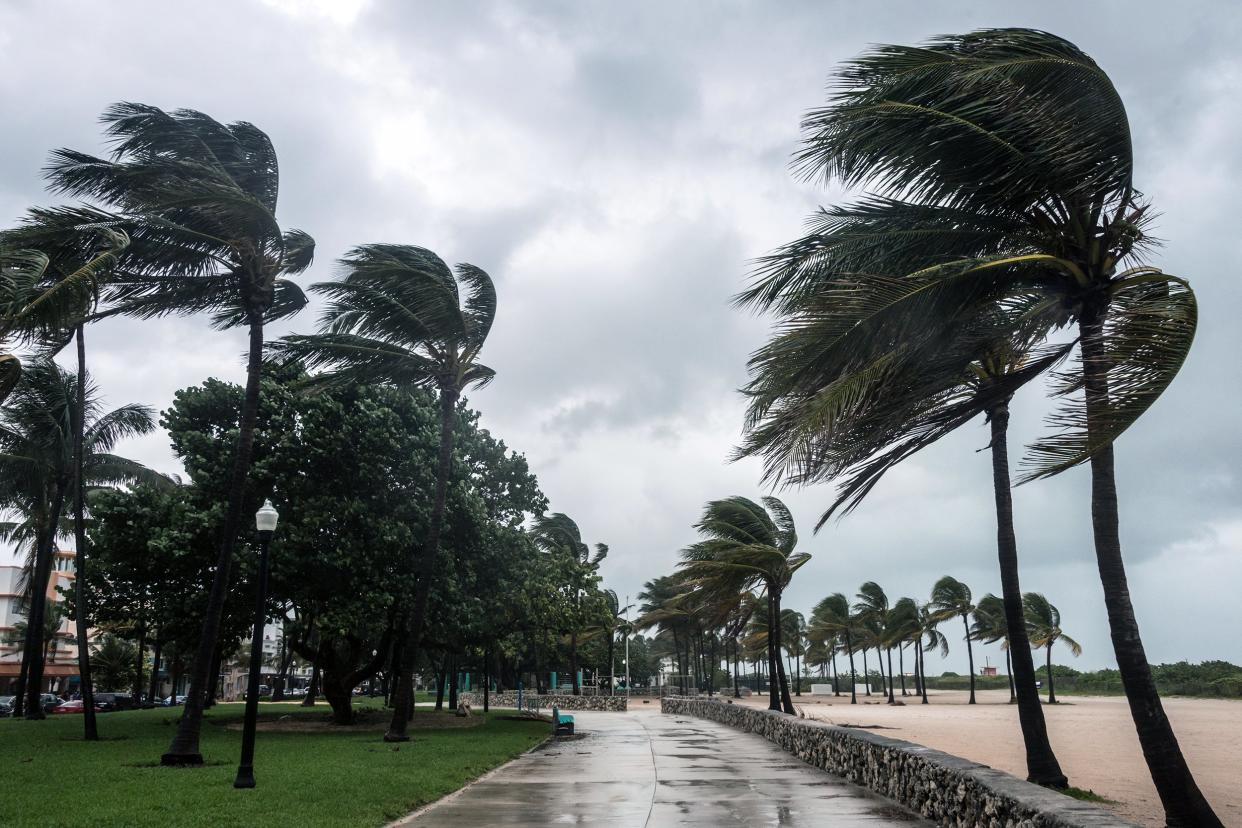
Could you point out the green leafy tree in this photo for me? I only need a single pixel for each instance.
(401, 316)
(1043, 622)
(114, 659)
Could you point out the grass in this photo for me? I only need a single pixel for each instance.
(51, 777)
(1087, 795)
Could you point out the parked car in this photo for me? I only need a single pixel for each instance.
(49, 701)
(173, 701)
(75, 706)
(6, 705)
(115, 701)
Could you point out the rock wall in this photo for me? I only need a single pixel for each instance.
(946, 789)
(508, 698)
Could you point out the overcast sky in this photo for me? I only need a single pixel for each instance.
(615, 166)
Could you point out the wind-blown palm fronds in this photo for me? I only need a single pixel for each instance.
(1043, 623)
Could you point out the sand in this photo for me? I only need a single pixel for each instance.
(1093, 737)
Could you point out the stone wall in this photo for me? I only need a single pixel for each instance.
(508, 698)
(946, 789)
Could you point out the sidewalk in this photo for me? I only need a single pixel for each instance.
(649, 770)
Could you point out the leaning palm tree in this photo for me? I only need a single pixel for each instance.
(400, 316)
(1043, 622)
(38, 464)
(872, 611)
(198, 201)
(950, 598)
(988, 626)
(747, 545)
(80, 249)
(831, 618)
(610, 623)
(1002, 173)
(558, 534)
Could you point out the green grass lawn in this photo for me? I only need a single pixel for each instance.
(50, 777)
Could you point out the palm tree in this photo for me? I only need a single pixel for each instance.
(400, 316)
(927, 637)
(114, 661)
(1043, 622)
(198, 201)
(747, 545)
(558, 534)
(663, 605)
(38, 464)
(19, 635)
(793, 639)
(985, 199)
(613, 620)
(79, 248)
(989, 626)
(902, 627)
(872, 610)
(831, 618)
(950, 598)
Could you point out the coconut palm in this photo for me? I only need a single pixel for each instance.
(746, 545)
(558, 534)
(400, 316)
(664, 606)
(902, 627)
(988, 626)
(114, 661)
(927, 636)
(950, 598)
(80, 249)
(1043, 622)
(612, 621)
(198, 201)
(831, 618)
(983, 199)
(793, 639)
(38, 464)
(872, 611)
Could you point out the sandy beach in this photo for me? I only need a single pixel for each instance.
(1093, 737)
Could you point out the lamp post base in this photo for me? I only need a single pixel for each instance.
(245, 778)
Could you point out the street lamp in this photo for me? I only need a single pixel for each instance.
(265, 522)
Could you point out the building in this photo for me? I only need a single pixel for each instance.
(61, 668)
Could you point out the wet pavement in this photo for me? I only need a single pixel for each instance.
(654, 770)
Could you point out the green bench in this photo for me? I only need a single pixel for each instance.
(562, 725)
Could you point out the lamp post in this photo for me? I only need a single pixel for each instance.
(265, 523)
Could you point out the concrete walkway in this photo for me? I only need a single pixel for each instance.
(646, 769)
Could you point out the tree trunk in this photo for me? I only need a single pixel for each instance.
(426, 567)
(313, 690)
(213, 687)
(573, 662)
(1184, 804)
(612, 668)
(1052, 691)
(441, 675)
(866, 673)
(901, 667)
(970, 655)
(154, 693)
(836, 680)
(453, 684)
(1042, 766)
(487, 679)
(1013, 696)
(142, 657)
(922, 667)
(339, 697)
(849, 646)
(891, 698)
(36, 619)
(184, 749)
(774, 698)
(879, 668)
(81, 610)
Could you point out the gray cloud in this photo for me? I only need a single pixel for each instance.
(616, 166)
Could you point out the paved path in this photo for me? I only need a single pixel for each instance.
(649, 770)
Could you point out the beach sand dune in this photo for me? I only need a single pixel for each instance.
(1093, 737)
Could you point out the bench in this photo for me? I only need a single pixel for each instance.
(562, 725)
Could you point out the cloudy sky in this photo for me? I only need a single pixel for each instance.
(615, 166)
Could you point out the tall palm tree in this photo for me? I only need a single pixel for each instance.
(198, 201)
(747, 545)
(902, 627)
(663, 605)
(988, 626)
(831, 618)
(558, 534)
(38, 463)
(612, 621)
(80, 248)
(927, 636)
(400, 316)
(872, 610)
(793, 639)
(950, 598)
(984, 197)
(1043, 621)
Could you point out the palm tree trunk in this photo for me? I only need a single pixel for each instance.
(866, 673)
(798, 674)
(836, 680)
(901, 667)
(154, 691)
(80, 601)
(38, 607)
(184, 749)
(853, 676)
(774, 690)
(313, 690)
(1042, 766)
(426, 567)
(970, 655)
(1013, 696)
(879, 668)
(922, 668)
(786, 701)
(891, 699)
(1184, 804)
(612, 667)
(142, 653)
(1052, 691)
